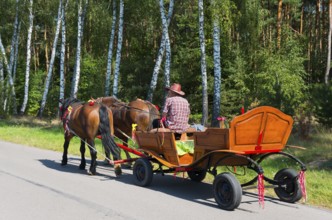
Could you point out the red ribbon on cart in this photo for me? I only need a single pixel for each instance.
(260, 187)
(302, 185)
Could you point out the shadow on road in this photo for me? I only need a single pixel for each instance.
(177, 186)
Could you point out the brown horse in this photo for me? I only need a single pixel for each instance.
(138, 112)
(87, 121)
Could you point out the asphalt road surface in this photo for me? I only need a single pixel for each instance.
(33, 185)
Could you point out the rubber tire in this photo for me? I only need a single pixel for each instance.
(197, 175)
(142, 172)
(292, 192)
(227, 191)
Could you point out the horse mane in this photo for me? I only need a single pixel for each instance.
(67, 102)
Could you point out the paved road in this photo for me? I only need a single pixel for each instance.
(33, 185)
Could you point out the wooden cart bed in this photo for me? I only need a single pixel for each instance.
(261, 130)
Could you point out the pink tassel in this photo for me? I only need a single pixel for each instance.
(302, 184)
(260, 187)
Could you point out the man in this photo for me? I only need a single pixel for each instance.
(176, 111)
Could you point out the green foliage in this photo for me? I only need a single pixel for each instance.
(253, 70)
(322, 101)
(92, 78)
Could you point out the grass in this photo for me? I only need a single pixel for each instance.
(317, 156)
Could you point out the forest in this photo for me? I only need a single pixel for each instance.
(226, 54)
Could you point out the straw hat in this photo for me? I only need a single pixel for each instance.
(176, 87)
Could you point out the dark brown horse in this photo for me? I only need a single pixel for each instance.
(87, 121)
(138, 112)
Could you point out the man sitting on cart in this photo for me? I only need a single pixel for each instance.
(175, 114)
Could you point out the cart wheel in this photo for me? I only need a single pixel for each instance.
(227, 191)
(289, 190)
(142, 171)
(197, 175)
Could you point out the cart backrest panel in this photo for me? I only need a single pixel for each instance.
(262, 129)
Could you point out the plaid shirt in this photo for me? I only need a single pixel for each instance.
(177, 110)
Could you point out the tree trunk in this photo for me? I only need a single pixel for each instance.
(110, 53)
(47, 59)
(2, 89)
(77, 70)
(160, 55)
(168, 45)
(118, 52)
(14, 67)
(10, 78)
(50, 69)
(203, 64)
(14, 40)
(217, 70)
(63, 52)
(328, 64)
(279, 23)
(27, 69)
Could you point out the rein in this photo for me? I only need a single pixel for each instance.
(118, 103)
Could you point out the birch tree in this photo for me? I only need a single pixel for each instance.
(10, 78)
(110, 52)
(50, 69)
(17, 39)
(2, 90)
(63, 51)
(14, 43)
(168, 44)
(203, 64)
(217, 68)
(118, 52)
(77, 69)
(28, 59)
(160, 55)
(328, 64)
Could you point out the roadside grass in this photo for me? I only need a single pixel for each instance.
(317, 156)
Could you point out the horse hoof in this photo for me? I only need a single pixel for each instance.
(82, 167)
(118, 170)
(63, 163)
(91, 173)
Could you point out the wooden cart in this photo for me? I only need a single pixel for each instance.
(251, 138)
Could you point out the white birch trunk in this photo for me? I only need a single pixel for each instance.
(328, 64)
(14, 67)
(160, 55)
(10, 78)
(27, 69)
(50, 69)
(203, 64)
(110, 52)
(77, 70)
(118, 52)
(14, 40)
(2, 89)
(168, 46)
(217, 70)
(63, 52)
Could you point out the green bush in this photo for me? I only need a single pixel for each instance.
(322, 102)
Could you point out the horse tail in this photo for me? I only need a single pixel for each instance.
(105, 131)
